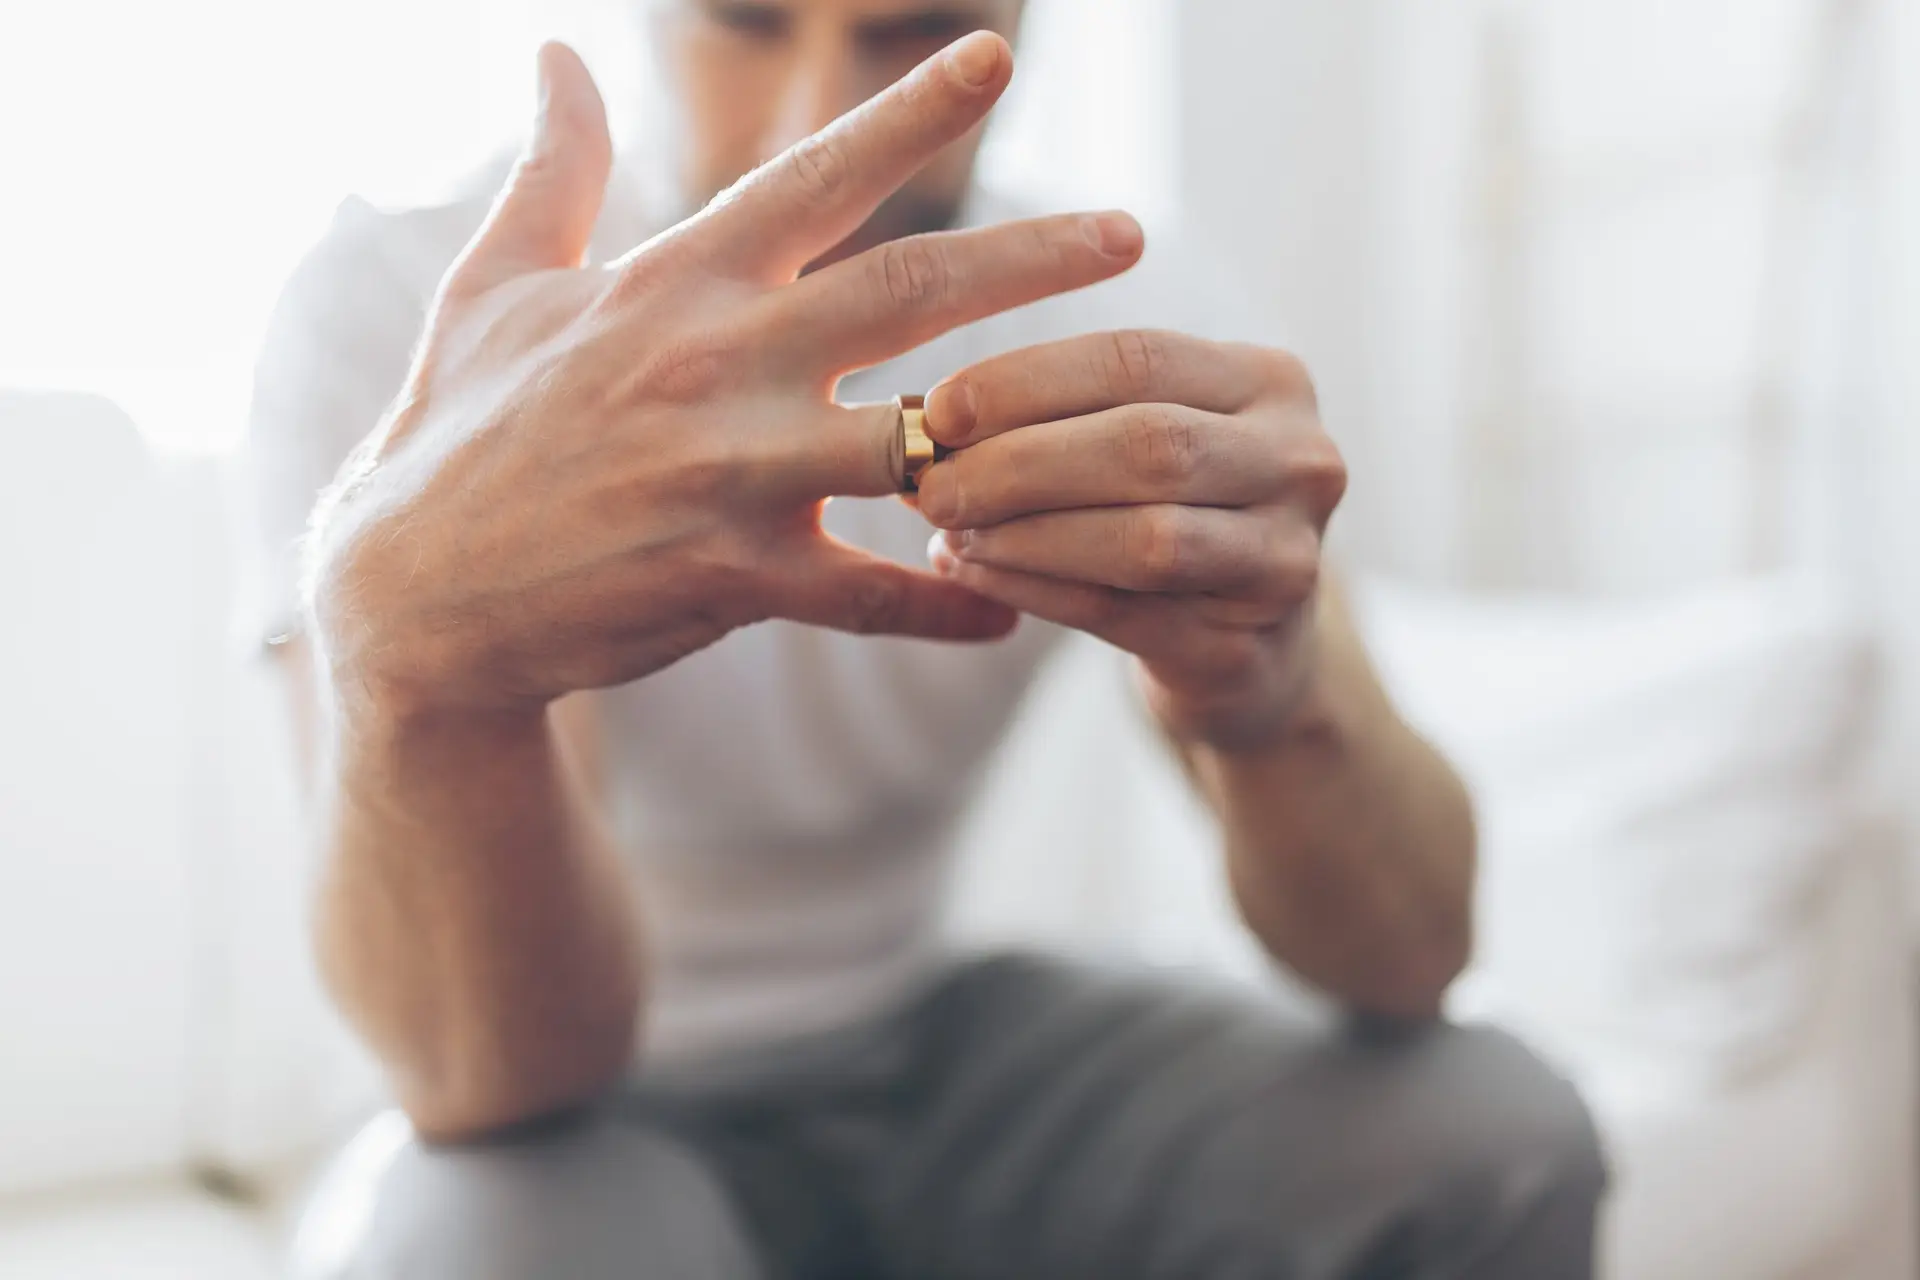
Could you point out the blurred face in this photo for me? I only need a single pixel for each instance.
(752, 77)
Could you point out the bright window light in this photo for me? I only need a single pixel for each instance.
(168, 162)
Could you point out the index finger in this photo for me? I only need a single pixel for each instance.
(796, 207)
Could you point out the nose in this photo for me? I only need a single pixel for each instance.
(822, 87)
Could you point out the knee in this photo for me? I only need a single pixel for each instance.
(591, 1199)
(1504, 1141)
(1526, 1119)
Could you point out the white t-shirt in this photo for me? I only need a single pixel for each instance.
(787, 799)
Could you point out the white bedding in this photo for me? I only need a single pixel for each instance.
(1805, 1171)
(1664, 787)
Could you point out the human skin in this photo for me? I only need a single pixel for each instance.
(1166, 494)
(747, 79)
(592, 473)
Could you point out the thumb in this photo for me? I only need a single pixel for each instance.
(835, 585)
(544, 216)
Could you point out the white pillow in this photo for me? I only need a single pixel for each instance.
(1663, 789)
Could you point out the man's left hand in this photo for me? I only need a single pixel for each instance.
(1164, 493)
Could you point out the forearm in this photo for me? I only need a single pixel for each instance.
(1350, 841)
(472, 918)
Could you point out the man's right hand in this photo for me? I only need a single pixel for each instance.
(593, 472)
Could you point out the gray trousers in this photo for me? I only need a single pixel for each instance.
(1024, 1120)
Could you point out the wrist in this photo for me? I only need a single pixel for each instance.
(406, 719)
(1279, 703)
(408, 741)
(372, 696)
(384, 665)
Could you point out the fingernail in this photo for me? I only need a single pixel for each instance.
(952, 411)
(938, 556)
(958, 540)
(975, 60)
(1115, 234)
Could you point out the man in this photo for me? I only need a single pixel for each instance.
(633, 826)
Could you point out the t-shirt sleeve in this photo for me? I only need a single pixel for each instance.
(335, 353)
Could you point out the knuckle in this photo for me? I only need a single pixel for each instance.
(733, 574)
(1160, 546)
(1307, 572)
(874, 605)
(1236, 655)
(1135, 358)
(819, 168)
(705, 473)
(1294, 574)
(943, 500)
(642, 275)
(538, 171)
(914, 275)
(1046, 243)
(1290, 567)
(721, 577)
(1163, 446)
(1320, 473)
(682, 372)
(1289, 371)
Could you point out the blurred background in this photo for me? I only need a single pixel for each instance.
(1613, 304)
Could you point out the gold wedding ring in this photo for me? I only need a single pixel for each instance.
(918, 450)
